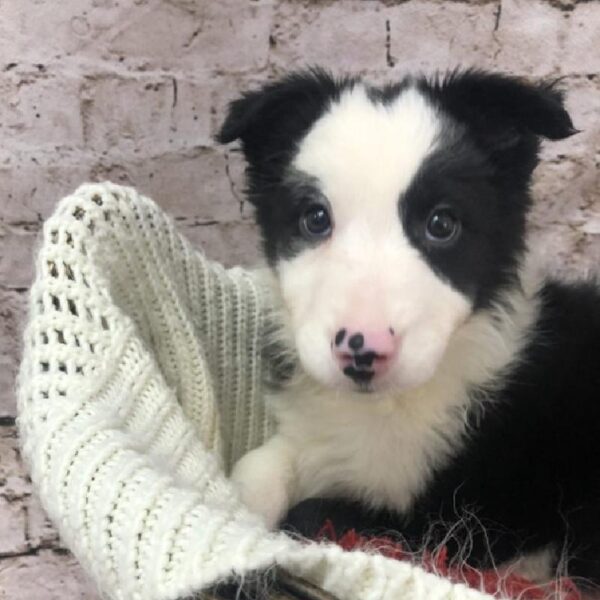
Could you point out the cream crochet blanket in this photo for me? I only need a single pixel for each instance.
(140, 385)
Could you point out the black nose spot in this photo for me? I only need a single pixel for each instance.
(365, 360)
(356, 341)
(339, 337)
(358, 375)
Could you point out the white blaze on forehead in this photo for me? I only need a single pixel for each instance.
(366, 153)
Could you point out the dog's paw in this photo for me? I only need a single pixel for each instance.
(263, 478)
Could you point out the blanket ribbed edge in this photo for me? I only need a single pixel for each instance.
(141, 383)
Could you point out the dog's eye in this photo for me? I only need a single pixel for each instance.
(442, 226)
(315, 222)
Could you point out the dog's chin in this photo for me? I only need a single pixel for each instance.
(385, 388)
(391, 384)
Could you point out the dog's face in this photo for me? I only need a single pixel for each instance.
(390, 215)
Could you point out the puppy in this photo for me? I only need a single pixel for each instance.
(430, 375)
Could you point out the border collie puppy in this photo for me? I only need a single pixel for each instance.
(434, 378)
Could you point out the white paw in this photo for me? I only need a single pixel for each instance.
(263, 477)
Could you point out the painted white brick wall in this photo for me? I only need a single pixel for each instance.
(135, 91)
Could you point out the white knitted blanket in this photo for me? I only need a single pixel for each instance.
(140, 385)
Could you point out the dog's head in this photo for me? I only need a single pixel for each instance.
(390, 215)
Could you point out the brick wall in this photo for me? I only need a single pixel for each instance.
(134, 91)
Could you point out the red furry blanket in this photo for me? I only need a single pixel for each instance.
(503, 585)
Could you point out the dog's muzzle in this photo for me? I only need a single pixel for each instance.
(364, 355)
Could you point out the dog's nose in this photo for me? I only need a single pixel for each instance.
(363, 355)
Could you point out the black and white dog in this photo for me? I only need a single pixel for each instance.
(437, 378)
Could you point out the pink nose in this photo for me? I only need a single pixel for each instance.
(363, 355)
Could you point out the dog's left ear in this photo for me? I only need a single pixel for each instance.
(506, 115)
(269, 121)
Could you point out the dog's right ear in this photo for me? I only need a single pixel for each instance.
(270, 122)
(506, 115)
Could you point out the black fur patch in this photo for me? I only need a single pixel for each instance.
(484, 256)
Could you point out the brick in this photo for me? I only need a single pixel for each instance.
(571, 253)
(146, 114)
(7, 38)
(49, 575)
(229, 243)
(581, 38)
(343, 36)
(429, 36)
(193, 185)
(12, 317)
(31, 184)
(8, 369)
(565, 221)
(14, 482)
(40, 531)
(529, 36)
(12, 528)
(17, 246)
(40, 110)
(566, 194)
(56, 31)
(197, 36)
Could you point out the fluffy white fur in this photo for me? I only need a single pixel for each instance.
(536, 566)
(382, 447)
(333, 440)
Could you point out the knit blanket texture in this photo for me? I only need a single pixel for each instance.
(142, 381)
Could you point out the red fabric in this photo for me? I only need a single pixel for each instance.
(489, 581)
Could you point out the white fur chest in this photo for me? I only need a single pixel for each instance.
(380, 450)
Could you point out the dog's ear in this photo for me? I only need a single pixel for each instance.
(269, 122)
(507, 115)
(489, 97)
